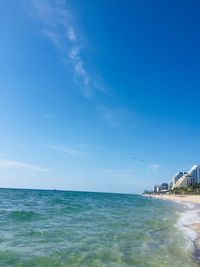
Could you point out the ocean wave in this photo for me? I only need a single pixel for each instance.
(190, 216)
(88, 229)
(23, 215)
(58, 201)
(187, 222)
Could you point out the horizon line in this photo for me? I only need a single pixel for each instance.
(66, 190)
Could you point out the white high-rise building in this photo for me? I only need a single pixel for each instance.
(195, 173)
(189, 179)
(177, 177)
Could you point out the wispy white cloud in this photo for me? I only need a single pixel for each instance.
(58, 25)
(81, 73)
(154, 166)
(71, 34)
(77, 150)
(55, 14)
(54, 38)
(11, 164)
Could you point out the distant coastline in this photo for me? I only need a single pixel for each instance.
(185, 198)
(182, 183)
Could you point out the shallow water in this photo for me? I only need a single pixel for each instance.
(60, 228)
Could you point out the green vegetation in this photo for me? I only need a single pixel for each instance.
(190, 190)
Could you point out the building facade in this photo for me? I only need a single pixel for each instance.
(191, 178)
(195, 173)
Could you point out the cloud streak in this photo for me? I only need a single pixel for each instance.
(11, 164)
(58, 25)
(78, 150)
(154, 166)
(71, 34)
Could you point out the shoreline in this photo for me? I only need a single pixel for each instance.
(193, 199)
(189, 222)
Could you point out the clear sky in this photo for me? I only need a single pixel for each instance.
(98, 95)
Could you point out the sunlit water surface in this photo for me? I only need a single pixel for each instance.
(58, 228)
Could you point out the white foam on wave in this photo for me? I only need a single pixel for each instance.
(190, 205)
(190, 217)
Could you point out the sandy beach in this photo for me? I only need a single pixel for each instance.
(195, 199)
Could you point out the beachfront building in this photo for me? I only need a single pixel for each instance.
(160, 188)
(156, 189)
(170, 185)
(175, 178)
(164, 187)
(195, 172)
(189, 179)
(178, 176)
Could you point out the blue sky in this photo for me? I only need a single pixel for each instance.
(98, 95)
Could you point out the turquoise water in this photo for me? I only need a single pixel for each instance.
(58, 228)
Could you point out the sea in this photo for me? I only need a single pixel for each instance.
(65, 228)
